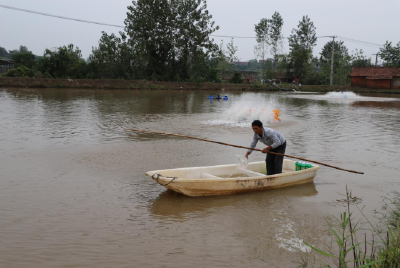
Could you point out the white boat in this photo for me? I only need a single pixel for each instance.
(227, 179)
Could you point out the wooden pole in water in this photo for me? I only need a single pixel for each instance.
(242, 147)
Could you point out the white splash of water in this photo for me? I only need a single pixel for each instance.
(287, 239)
(246, 110)
(342, 95)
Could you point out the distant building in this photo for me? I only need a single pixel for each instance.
(269, 60)
(240, 63)
(264, 61)
(6, 65)
(248, 77)
(375, 77)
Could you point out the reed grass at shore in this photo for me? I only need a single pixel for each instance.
(381, 250)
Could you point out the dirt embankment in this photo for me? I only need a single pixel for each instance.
(8, 82)
(120, 84)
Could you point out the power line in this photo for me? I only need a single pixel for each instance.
(228, 36)
(223, 36)
(60, 17)
(359, 42)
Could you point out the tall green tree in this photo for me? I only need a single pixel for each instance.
(26, 59)
(23, 49)
(170, 38)
(359, 60)
(226, 55)
(222, 58)
(281, 65)
(231, 52)
(340, 49)
(262, 30)
(301, 43)
(195, 25)
(341, 63)
(111, 59)
(390, 54)
(62, 62)
(4, 53)
(276, 36)
(269, 69)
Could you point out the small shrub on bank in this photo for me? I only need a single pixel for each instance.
(21, 71)
(237, 78)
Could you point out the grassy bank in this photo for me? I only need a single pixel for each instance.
(10, 82)
(351, 248)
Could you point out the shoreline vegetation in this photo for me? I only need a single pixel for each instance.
(350, 246)
(173, 41)
(18, 82)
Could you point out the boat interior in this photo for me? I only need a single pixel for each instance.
(255, 169)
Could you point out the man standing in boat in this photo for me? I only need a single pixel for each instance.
(275, 142)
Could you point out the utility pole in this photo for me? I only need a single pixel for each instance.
(376, 59)
(333, 52)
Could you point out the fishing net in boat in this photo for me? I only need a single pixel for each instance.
(242, 162)
(242, 168)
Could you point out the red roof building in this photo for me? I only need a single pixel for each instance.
(375, 77)
(240, 63)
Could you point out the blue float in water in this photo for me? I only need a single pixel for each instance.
(226, 98)
(210, 97)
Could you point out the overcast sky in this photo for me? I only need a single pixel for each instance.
(364, 20)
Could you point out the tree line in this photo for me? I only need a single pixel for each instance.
(301, 63)
(170, 40)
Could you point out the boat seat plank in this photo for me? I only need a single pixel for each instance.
(209, 176)
(254, 174)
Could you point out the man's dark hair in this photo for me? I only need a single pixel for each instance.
(257, 123)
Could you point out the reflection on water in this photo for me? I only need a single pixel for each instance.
(85, 115)
(377, 104)
(170, 203)
(73, 191)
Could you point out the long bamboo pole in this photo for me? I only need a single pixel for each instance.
(243, 147)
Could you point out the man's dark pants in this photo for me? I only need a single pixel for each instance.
(275, 162)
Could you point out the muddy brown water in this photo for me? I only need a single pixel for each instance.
(73, 192)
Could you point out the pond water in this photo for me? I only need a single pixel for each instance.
(73, 190)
